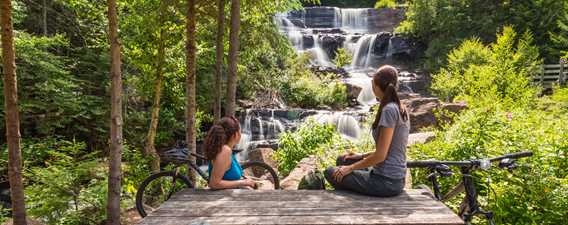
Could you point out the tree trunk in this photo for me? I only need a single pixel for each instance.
(12, 116)
(113, 205)
(191, 51)
(149, 148)
(219, 58)
(233, 57)
(44, 17)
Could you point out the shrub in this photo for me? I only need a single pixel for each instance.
(499, 71)
(311, 138)
(535, 193)
(342, 58)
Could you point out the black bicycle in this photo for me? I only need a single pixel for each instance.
(159, 187)
(470, 206)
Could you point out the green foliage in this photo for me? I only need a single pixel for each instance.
(443, 24)
(385, 4)
(561, 38)
(302, 88)
(67, 185)
(310, 139)
(342, 58)
(501, 70)
(536, 192)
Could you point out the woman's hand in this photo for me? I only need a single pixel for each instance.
(248, 183)
(352, 155)
(341, 172)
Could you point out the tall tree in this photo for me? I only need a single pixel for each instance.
(190, 63)
(44, 17)
(233, 57)
(12, 117)
(149, 148)
(113, 204)
(219, 58)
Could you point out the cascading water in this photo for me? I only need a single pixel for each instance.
(354, 20)
(321, 57)
(320, 31)
(363, 55)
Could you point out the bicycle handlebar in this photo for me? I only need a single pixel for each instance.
(475, 162)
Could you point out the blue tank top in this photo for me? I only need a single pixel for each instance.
(235, 172)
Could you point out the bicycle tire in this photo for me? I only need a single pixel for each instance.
(265, 166)
(148, 180)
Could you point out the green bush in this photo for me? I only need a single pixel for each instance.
(312, 92)
(342, 58)
(64, 184)
(536, 193)
(311, 138)
(501, 70)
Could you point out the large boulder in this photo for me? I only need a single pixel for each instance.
(292, 181)
(423, 111)
(263, 155)
(353, 91)
(330, 43)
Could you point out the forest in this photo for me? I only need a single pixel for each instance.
(103, 87)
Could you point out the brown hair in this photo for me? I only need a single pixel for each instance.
(219, 135)
(386, 78)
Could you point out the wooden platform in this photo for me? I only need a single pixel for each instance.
(200, 207)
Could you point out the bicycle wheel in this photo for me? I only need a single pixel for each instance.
(262, 173)
(158, 188)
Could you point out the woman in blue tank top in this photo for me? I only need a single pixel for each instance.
(224, 169)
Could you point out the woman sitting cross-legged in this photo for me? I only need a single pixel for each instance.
(390, 131)
(224, 169)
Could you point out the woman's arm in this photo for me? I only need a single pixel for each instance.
(380, 154)
(220, 165)
(381, 150)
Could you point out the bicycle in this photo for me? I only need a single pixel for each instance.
(470, 206)
(159, 187)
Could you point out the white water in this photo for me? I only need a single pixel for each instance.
(363, 55)
(354, 20)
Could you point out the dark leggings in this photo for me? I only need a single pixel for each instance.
(365, 181)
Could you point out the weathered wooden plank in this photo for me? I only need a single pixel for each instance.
(289, 204)
(557, 71)
(241, 192)
(299, 207)
(551, 66)
(297, 211)
(290, 196)
(412, 217)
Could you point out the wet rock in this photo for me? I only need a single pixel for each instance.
(420, 138)
(381, 46)
(298, 23)
(263, 155)
(302, 169)
(321, 71)
(423, 110)
(329, 31)
(353, 91)
(331, 43)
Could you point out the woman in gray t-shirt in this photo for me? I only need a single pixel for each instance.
(382, 172)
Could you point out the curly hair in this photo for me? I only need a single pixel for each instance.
(219, 135)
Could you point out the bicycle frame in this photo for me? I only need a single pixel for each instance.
(470, 207)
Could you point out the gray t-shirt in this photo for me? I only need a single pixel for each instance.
(394, 165)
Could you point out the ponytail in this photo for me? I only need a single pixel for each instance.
(219, 135)
(214, 141)
(386, 78)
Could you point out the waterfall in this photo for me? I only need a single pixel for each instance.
(321, 58)
(363, 51)
(261, 129)
(277, 126)
(246, 132)
(354, 20)
(345, 124)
